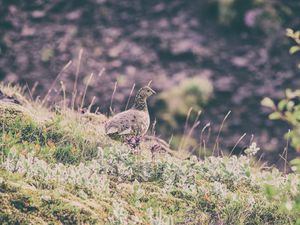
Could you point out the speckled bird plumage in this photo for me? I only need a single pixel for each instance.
(134, 121)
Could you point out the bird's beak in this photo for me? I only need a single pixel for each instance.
(154, 92)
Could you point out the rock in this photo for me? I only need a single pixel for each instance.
(38, 14)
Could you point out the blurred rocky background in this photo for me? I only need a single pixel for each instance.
(212, 55)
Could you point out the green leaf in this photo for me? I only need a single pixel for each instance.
(294, 49)
(289, 93)
(290, 105)
(275, 116)
(296, 164)
(267, 102)
(289, 32)
(290, 117)
(282, 104)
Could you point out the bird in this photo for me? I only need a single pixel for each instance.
(131, 124)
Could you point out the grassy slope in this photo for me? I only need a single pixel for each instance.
(60, 168)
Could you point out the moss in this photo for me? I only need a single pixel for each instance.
(24, 204)
(27, 204)
(49, 138)
(9, 112)
(12, 219)
(68, 214)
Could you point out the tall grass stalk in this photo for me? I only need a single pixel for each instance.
(74, 93)
(63, 87)
(201, 139)
(92, 103)
(185, 127)
(216, 145)
(239, 140)
(112, 99)
(195, 125)
(85, 89)
(284, 154)
(131, 91)
(55, 80)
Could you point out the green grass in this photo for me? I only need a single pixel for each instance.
(60, 168)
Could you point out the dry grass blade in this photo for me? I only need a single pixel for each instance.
(97, 110)
(85, 89)
(251, 139)
(240, 139)
(216, 145)
(170, 139)
(92, 103)
(54, 82)
(112, 99)
(63, 87)
(132, 89)
(201, 138)
(257, 162)
(29, 91)
(33, 89)
(185, 127)
(194, 126)
(153, 127)
(101, 72)
(284, 154)
(250, 142)
(74, 93)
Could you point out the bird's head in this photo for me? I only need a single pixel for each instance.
(146, 92)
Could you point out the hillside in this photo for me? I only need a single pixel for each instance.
(58, 167)
(240, 47)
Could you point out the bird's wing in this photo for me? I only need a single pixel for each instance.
(119, 124)
(112, 130)
(126, 131)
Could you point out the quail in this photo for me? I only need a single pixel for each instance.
(132, 123)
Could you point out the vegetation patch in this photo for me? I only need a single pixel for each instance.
(64, 170)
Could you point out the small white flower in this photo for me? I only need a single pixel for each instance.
(252, 150)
